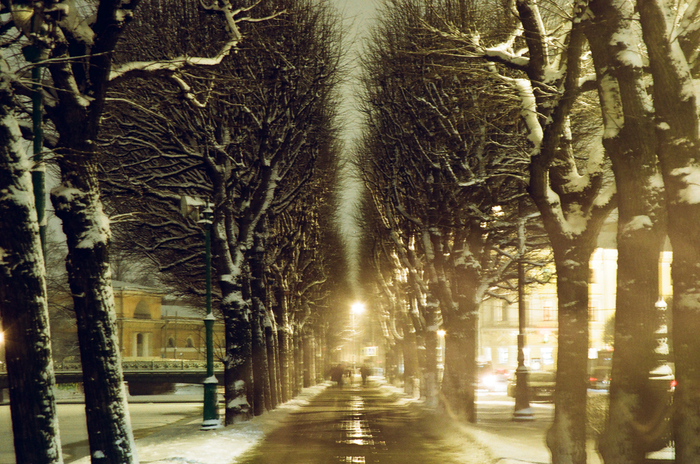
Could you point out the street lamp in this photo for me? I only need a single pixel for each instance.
(190, 208)
(356, 309)
(662, 348)
(522, 410)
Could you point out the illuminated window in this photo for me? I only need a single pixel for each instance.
(547, 311)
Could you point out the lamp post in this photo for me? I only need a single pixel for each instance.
(356, 308)
(522, 410)
(662, 348)
(190, 208)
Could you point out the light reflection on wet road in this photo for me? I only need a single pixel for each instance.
(357, 424)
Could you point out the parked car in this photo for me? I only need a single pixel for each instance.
(541, 385)
(599, 378)
(485, 377)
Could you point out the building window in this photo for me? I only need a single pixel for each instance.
(189, 343)
(547, 308)
(171, 342)
(503, 355)
(592, 310)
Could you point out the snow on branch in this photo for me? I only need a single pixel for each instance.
(528, 110)
(175, 64)
(472, 48)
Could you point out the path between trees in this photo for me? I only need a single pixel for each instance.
(365, 424)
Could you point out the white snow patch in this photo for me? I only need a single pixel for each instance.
(613, 116)
(690, 176)
(637, 223)
(529, 111)
(187, 443)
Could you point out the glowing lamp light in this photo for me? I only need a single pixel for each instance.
(357, 308)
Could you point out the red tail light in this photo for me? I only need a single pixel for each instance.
(592, 379)
(673, 383)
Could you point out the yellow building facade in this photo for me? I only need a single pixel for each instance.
(498, 324)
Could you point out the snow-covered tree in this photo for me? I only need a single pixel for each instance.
(447, 144)
(75, 42)
(629, 138)
(670, 34)
(23, 296)
(247, 137)
(567, 180)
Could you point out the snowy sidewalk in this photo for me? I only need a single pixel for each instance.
(184, 442)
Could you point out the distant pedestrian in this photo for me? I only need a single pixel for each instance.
(337, 374)
(364, 372)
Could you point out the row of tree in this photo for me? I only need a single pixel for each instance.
(234, 104)
(482, 117)
(256, 137)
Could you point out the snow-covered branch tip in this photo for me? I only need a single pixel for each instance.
(473, 48)
(169, 67)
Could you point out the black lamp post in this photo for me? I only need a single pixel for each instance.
(522, 410)
(190, 208)
(211, 413)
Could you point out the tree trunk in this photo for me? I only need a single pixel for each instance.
(566, 438)
(632, 149)
(428, 359)
(261, 379)
(273, 358)
(309, 354)
(87, 232)
(678, 137)
(459, 379)
(409, 347)
(23, 306)
(298, 362)
(237, 363)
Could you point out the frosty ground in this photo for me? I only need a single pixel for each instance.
(184, 442)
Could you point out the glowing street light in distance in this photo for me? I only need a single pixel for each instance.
(357, 308)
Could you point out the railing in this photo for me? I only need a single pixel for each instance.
(146, 365)
(154, 365)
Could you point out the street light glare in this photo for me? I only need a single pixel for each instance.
(357, 308)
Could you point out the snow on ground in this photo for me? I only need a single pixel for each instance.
(185, 443)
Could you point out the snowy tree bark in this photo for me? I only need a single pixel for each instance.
(630, 142)
(261, 364)
(23, 302)
(87, 235)
(77, 203)
(672, 60)
(571, 198)
(566, 438)
(285, 354)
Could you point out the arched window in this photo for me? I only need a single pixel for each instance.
(171, 342)
(189, 343)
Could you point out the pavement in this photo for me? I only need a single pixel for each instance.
(507, 441)
(519, 442)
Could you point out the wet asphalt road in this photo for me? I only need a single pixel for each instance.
(364, 424)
